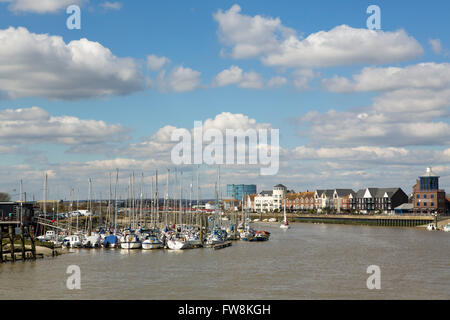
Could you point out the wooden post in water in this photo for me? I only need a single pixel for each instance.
(33, 246)
(22, 237)
(11, 239)
(1, 244)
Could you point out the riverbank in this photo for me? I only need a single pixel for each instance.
(41, 252)
(370, 220)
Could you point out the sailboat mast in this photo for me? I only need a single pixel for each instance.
(142, 198)
(45, 196)
(156, 199)
(167, 197)
(198, 192)
(115, 200)
(181, 197)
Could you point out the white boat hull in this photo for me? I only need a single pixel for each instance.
(150, 245)
(130, 245)
(177, 245)
(284, 226)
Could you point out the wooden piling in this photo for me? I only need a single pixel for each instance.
(1, 245)
(11, 241)
(22, 237)
(33, 246)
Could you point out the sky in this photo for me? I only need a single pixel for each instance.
(355, 107)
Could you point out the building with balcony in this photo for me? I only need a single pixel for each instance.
(270, 200)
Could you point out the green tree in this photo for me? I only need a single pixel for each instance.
(4, 196)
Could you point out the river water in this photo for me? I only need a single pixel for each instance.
(308, 261)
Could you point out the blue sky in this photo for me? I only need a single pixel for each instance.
(187, 33)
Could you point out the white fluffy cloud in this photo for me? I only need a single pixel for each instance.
(35, 125)
(235, 75)
(156, 63)
(249, 37)
(110, 5)
(180, 79)
(277, 45)
(413, 92)
(160, 143)
(39, 65)
(436, 45)
(419, 76)
(356, 128)
(277, 81)
(41, 6)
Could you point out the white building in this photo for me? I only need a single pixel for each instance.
(268, 201)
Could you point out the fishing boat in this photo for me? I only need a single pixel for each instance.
(73, 241)
(49, 236)
(130, 241)
(284, 223)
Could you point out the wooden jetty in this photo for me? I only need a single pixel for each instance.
(21, 253)
(221, 245)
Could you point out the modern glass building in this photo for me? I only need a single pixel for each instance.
(237, 191)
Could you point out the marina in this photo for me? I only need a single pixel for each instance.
(308, 261)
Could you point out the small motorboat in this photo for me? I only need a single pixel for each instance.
(447, 228)
(431, 227)
(262, 235)
(73, 241)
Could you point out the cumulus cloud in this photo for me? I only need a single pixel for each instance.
(344, 128)
(276, 45)
(41, 6)
(416, 91)
(35, 125)
(302, 77)
(277, 81)
(180, 79)
(248, 36)
(110, 5)
(160, 143)
(155, 63)
(39, 65)
(235, 75)
(428, 75)
(436, 45)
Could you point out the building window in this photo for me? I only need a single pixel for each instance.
(432, 204)
(432, 196)
(418, 196)
(424, 204)
(425, 196)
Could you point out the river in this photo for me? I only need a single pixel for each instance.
(308, 261)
